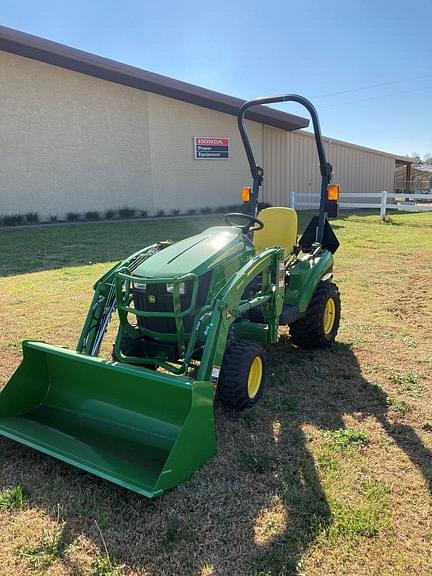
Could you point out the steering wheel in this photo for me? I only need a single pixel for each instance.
(231, 218)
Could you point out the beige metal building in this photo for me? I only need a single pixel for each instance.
(79, 133)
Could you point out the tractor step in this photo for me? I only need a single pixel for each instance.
(129, 425)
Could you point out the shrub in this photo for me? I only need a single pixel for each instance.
(206, 210)
(31, 217)
(109, 214)
(234, 208)
(72, 216)
(126, 212)
(175, 212)
(191, 211)
(92, 215)
(53, 218)
(13, 220)
(144, 213)
(160, 213)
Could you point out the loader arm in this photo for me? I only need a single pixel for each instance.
(229, 306)
(104, 301)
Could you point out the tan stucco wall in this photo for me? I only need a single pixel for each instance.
(183, 181)
(71, 142)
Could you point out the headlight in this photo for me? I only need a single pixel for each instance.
(170, 288)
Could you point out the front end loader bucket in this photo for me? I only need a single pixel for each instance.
(147, 431)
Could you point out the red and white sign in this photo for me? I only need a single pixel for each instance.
(211, 148)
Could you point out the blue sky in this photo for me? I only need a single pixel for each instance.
(266, 47)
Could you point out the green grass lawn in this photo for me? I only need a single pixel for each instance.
(330, 474)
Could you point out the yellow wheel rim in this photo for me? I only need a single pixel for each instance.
(329, 315)
(255, 377)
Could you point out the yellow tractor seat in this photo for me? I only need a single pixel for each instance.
(280, 229)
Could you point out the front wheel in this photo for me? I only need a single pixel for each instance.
(243, 375)
(318, 328)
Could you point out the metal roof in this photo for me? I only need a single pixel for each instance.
(400, 160)
(30, 46)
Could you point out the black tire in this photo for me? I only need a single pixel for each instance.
(233, 389)
(310, 331)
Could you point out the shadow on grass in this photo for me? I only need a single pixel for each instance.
(67, 245)
(58, 246)
(256, 508)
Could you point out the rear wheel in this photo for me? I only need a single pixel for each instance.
(318, 328)
(243, 375)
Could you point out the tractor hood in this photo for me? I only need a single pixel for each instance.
(195, 254)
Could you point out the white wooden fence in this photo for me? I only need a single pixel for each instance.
(306, 201)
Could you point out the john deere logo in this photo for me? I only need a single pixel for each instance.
(152, 299)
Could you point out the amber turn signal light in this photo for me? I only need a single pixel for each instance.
(245, 194)
(333, 191)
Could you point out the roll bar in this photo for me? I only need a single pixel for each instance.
(257, 172)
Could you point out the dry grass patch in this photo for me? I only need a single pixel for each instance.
(43, 553)
(271, 522)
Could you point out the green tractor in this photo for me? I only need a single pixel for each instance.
(196, 318)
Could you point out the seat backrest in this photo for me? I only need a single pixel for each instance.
(280, 229)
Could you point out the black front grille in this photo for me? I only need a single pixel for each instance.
(156, 298)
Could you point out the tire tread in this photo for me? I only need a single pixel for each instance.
(232, 386)
(307, 332)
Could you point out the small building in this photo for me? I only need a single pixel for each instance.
(417, 181)
(81, 133)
